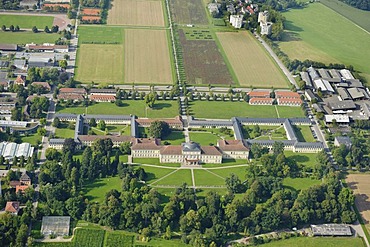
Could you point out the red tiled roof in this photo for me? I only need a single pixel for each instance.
(260, 94)
(210, 150)
(146, 143)
(90, 18)
(148, 121)
(53, 5)
(42, 84)
(13, 184)
(12, 207)
(70, 96)
(103, 97)
(283, 101)
(68, 90)
(20, 79)
(89, 11)
(286, 94)
(47, 47)
(261, 100)
(4, 83)
(21, 188)
(175, 150)
(232, 145)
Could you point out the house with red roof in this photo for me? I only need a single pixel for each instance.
(12, 207)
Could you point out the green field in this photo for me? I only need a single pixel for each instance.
(26, 37)
(113, 239)
(153, 161)
(96, 190)
(161, 109)
(240, 171)
(307, 159)
(317, 242)
(267, 132)
(204, 138)
(207, 178)
(155, 173)
(299, 183)
(175, 138)
(100, 34)
(64, 133)
(178, 178)
(227, 110)
(26, 21)
(32, 139)
(358, 16)
(316, 20)
(303, 133)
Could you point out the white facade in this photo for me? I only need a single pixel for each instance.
(266, 28)
(236, 21)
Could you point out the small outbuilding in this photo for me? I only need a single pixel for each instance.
(331, 230)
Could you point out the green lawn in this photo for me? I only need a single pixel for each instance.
(155, 173)
(97, 190)
(27, 37)
(227, 110)
(175, 138)
(100, 34)
(26, 21)
(202, 193)
(290, 111)
(203, 138)
(153, 161)
(304, 133)
(316, 20)
(226, 162)
(307, 159)
(300, 183)
(317, 242)
(267, 132)
(203, 177)
(123, 129)
(161, 109)
(64, 133)
(32, 139)
(239, 171)
(178, 178)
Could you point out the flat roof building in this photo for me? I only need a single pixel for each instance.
(331, 230)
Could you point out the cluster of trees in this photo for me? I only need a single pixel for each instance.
(54, 29)
(11, 28)
(42, 74)
(38, 105)
(159, 129)
(55, 9)
(360, 4)
(9, 4)
(355, 156)
(135, 95)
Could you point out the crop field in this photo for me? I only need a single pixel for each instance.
(203, 61)
(100, 63)
(188, 12)
(358, 16)
(317, 242)
(147, 57)
(317, 20)
(360, 184)
(26, 21)
(251, 63)
(25, 37)
(197, 34)
(113, 239)
(133, 12)
(89, 237)
(100, 35)
(161, 109)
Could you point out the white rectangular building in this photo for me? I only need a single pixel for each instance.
(236, 21)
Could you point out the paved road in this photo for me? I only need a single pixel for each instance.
(277, 60)
(49, 129)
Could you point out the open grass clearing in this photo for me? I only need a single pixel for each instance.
(300, 183)
(188, 12)
(96, 190)
(33, 139)
(175, 138)
(100, 63)
(250, 62)
(303, 133)
(290, 111)
(147, 62)
(207, 178)
(204, 138)
(26, 37)
(317, 20)
(26, 21)
(100, 34)
(317, 242)
(177, 178)
(64, 133)
(132, 12)
(161, 109)
(307, 159)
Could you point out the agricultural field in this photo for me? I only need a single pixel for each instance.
(188, 12)
(147, 62)
(100, 63)
(251, 63)
(26, 37)
(317, 20)
(358, 16)
(300, 183)
(360, 184)
(203, 61)
(26, 21)
(161, 109)
(89, 237)
(132, 12)
(96, 190)
(317, 242)
(100, 35)
(197, 34)
(114, 239)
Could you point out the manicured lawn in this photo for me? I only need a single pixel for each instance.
(97, 190)
(203, 177)
(267, 132)
(153, 161)
(203, 138)
(300, 183)
(123, 129)
(26, 21)
(304, 133)
(317, 20)
(175, 138)
(64, 133)
(201, 193)
(178, 178)
(307, 159)
(317, 242)
(26, 37)
(227, 110)
(226, 162)
(239, 171)
(32, 139)
(290, 111)
(155, 173)
(161, 109)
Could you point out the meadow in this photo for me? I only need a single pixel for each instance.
(339, 37)
(250, 62)
(147, 62)
(306, 159)
(26, 37)
(96, 190)
(100, 63)
(131, 12)
(299, 183)
(161, 109)
(188, 12)
(100, 34)
(316, 242)
(26, 21)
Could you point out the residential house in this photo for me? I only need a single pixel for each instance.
(21, 188)
(4, 85)
(21, 80)
(12, 207)
(345, 140)
(25, 179)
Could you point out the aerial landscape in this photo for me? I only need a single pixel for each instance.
(145, 123)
